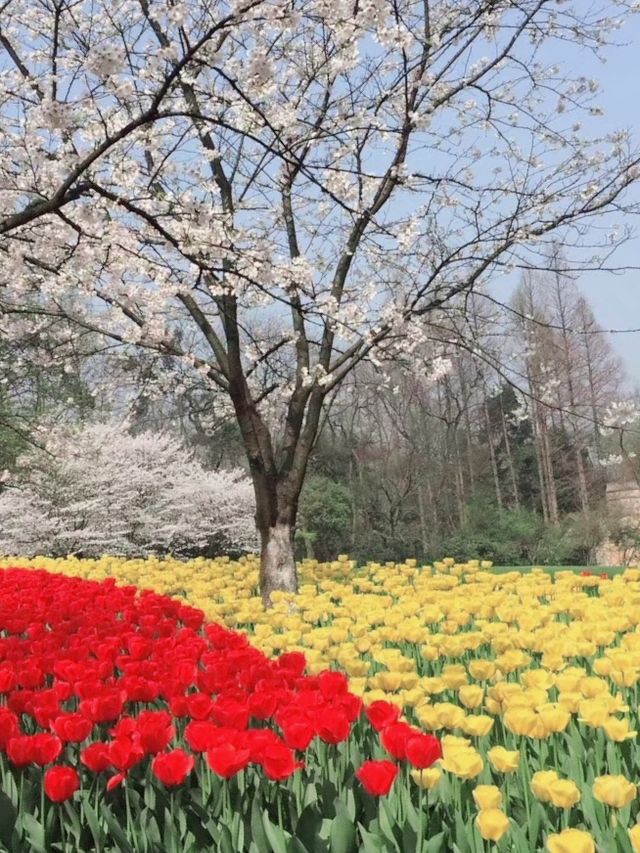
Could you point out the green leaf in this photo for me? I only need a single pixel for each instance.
(35, 833)
(152, 827)
(370, 843)
(275, 835)
(92, 821)
(116, 830)
(436, 844)
(461, 835)
(409, 837)
(197, 828)
(308, 826)
(343, 832)
(350, 805)
(8, 814)
(257, 830)
(225, 842)
(294, 845)
(73, 823)
(385, 825)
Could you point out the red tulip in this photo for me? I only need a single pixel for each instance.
(377, 777)
(226, 760)
(333, 727)
(104, 708)
(124, 753)
(298, 734)
(423, 750)
(8, 679)
(172, 768)
(258, 740)
(9, 727)
(72, 728)
(202, 735)
(155, 731)
(199, 706)
(279, 762)
(382, 714)
(96, 757)
(263, 704)
(394, 739)
(37, 749)
(293, 663)
(332, 683)
(60, 783)
(115, 780)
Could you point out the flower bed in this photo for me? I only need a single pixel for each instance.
(128, 723)
(528, 680)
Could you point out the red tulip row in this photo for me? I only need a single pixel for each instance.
(104, 677)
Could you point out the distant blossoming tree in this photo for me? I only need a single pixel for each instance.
(272, 192)
(97, 489)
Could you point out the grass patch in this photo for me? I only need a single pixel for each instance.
(596, 570)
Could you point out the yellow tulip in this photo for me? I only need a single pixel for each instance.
(537, 678)
(477, 725)
(433, 685)
(412, 698)
(570, 700)
(450, 716)
(428, 717)
(519, 720)
(571, 841)
(592, 686)
(487, 797)
(430, 653)
(625, 677)
(454, 676)
(541, 784)
(615, 791)
(618, 729)
(563, 793)
(493, 706)
(464, 763)
(555, 717)
(593, 712)
(427, 779)
(451, 743)
(634, 835)
(471, 695)
(482, 670)
(390, 681)
(504, 760)
(603, 666)
(492, 824)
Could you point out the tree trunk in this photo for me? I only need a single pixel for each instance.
(492, 456)
(583, 488)
(509, 455)
(552, 493)
(277, 561)
(423, 522)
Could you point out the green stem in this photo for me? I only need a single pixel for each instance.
(421, 817)
(128, 811)
(63, 832)
(42, 817)
(279, 801)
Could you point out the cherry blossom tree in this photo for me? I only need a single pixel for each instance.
(98, 489)
(272, 191)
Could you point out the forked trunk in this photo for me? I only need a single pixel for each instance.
(277, 561)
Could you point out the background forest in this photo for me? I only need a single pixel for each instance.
(501, 447)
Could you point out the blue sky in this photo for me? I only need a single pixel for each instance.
(616, 298)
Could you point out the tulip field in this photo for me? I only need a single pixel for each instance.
(154, 706)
